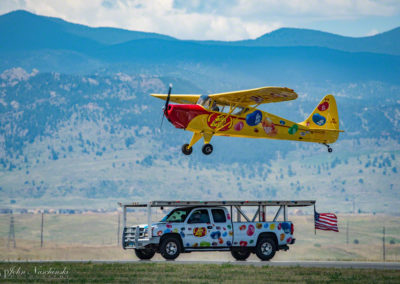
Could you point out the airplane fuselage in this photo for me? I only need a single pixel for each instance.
(251, 123)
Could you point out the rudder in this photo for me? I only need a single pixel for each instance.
(324, 116)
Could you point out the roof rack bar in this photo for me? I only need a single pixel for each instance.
(288, 203)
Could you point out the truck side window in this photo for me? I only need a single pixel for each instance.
(219, 215)
(177, 215)
(199, 216)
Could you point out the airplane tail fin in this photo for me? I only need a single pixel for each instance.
(325, 116)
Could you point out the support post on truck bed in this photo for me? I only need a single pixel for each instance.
(240, 213)
(284, 213)
(149, 217)
(278, 213)
(124, 216)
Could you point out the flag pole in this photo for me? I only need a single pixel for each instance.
(315, 230)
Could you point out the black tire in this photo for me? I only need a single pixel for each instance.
(266, 248)
(144, 253)
(240, 254)
(170, 248)
(186, 150)
(207, 149)
(330, 150)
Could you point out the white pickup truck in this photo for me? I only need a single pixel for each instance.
(208, 226)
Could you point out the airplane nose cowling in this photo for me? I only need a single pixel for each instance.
(181, 115)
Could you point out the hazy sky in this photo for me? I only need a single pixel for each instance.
(221, 19)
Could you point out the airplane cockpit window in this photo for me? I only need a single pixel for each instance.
(204, 101)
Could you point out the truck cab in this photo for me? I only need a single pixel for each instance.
(208, 227)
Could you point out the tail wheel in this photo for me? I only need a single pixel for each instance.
(186, 150)
(330, 150)
(266, 248)
(170, 248)
(207, 149)
(240, 254)
(144, 253)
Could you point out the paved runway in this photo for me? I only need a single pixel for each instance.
(328, 264)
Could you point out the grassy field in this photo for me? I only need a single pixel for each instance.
(187, 273)
(94, 236)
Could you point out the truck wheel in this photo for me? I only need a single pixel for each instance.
(240, 254)
(170, 248)
(144, 253)
(266, 248)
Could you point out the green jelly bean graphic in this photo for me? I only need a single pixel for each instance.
(205, 244)
(292, 130)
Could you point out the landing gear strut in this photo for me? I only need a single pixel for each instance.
(329, 148)
(186, 150)
(207, 149)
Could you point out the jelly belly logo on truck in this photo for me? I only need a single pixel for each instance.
(199, 232)
(216, 121)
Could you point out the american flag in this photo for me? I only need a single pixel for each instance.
(326, 222)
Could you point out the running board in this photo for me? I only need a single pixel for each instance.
(207, 249)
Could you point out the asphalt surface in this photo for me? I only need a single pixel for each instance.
(327, 264)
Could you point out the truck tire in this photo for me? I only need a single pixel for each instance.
(144, 253)
(240, 254)
(266, 248)
(170, 248)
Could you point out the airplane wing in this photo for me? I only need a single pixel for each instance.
(255, 96)
(180, 99)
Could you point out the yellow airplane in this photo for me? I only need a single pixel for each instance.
(235, 114)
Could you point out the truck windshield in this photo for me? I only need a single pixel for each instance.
(177, 215)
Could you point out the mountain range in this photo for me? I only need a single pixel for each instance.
(77, 122)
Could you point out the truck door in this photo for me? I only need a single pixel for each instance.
(222, 230)
(198, 228)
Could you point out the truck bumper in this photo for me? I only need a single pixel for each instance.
(286, 247)
(140, 243)
(136, 238)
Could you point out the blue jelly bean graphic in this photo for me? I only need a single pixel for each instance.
(266, 225)
(216, 235)
(228, 243)
(225, 234)
(286, 227)
(319, 119)
(282, 122)
(254, 118)
(182, 234)
(167, 231)
(187, 244)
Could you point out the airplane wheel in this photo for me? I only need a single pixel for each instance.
(207, 149)
(330, 150)
(186, 150)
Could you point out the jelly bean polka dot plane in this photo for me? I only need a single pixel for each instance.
(235, 114)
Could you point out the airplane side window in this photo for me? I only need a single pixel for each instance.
(240, 110)
(237, 111)
(215, 107)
